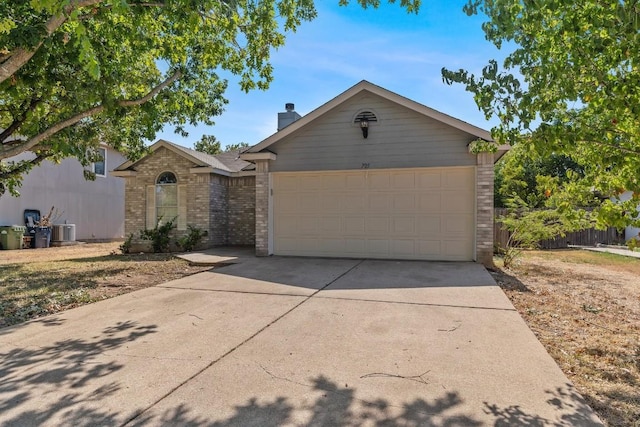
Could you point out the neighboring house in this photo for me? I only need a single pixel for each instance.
(95, 207)
(369, 174)
(213, 193)
(630, 232)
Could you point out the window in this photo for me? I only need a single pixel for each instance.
(166, 197)
(165, 200)
(100, 167)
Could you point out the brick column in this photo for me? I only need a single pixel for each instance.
(262, 207)
(484, 209)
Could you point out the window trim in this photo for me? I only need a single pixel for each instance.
(104, 163)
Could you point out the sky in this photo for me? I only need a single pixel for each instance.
(401, 52)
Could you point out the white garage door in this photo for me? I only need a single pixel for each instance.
(423, 213)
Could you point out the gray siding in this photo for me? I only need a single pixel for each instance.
(401, 138)
(95, 207)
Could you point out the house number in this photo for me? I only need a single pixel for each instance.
(365, 166)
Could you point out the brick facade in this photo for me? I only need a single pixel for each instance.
(222, 206)
(262, 207)
(242, 211)
(484, 209)
(218, 207)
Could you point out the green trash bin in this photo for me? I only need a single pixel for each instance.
(11, 236)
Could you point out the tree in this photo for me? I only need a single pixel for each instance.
(76, 73)
(208, 144)
(535, 179)
(570, 86)
(236, 147)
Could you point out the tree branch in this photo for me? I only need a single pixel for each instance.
(613, 146)
(6, 152)
(18, 122)
(133, 102)
(23, 166)
(20, 56)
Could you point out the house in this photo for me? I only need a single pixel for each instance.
(369, 174)
(96, 208)
(213, 193)
(630, 232)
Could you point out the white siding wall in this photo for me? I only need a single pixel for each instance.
(400, 138)
(96, 207)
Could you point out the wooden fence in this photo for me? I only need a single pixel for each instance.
(588, 237)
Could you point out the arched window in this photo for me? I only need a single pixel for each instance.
(166, 197)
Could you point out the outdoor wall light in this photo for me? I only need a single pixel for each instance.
(364, 125)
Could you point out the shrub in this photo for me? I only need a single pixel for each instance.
(192, 239)
(159, 235)
(633, 244)
(527, 227)
(125, 247)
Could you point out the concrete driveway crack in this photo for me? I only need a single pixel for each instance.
(264, 328)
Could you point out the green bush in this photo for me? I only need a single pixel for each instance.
(125, 247)
(192, 239)
(633, 244)
(159, 235)
(527, 227)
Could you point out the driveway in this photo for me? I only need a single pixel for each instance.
(291, 341)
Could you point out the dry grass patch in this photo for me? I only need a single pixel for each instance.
(46, 281)
(585, 309)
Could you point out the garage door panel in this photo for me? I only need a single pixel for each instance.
(423, 213)
(309, 225)
(378, 181)
(356, 182)
(429, 202)
(457, 225)
(333, 182)
(429, 179)
(459, 178)
(403, 247)
(404, 202)
(352, 203)
(290, 203)
(287, 224)
(354, 225)
(332, 246)
(456, 250)
(458, 202)
(377, 225)
(378, 246)
(380, 202)
(403, 225)
(429, 225)
(309, 203)
(355, 246)
(429, 248)
(403, 180)
(293, 246)
(309, 182)
(331, 225)
(288, 183)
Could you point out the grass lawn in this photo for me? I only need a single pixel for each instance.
(585, 309)
(38, 282)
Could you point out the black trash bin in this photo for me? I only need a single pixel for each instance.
(43, 237)
(31, 218)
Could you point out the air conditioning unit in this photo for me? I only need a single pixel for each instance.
(63, 233)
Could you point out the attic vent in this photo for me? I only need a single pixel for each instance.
(366, 116)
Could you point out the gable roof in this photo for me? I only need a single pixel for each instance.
(222, 164)
(376, 90)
